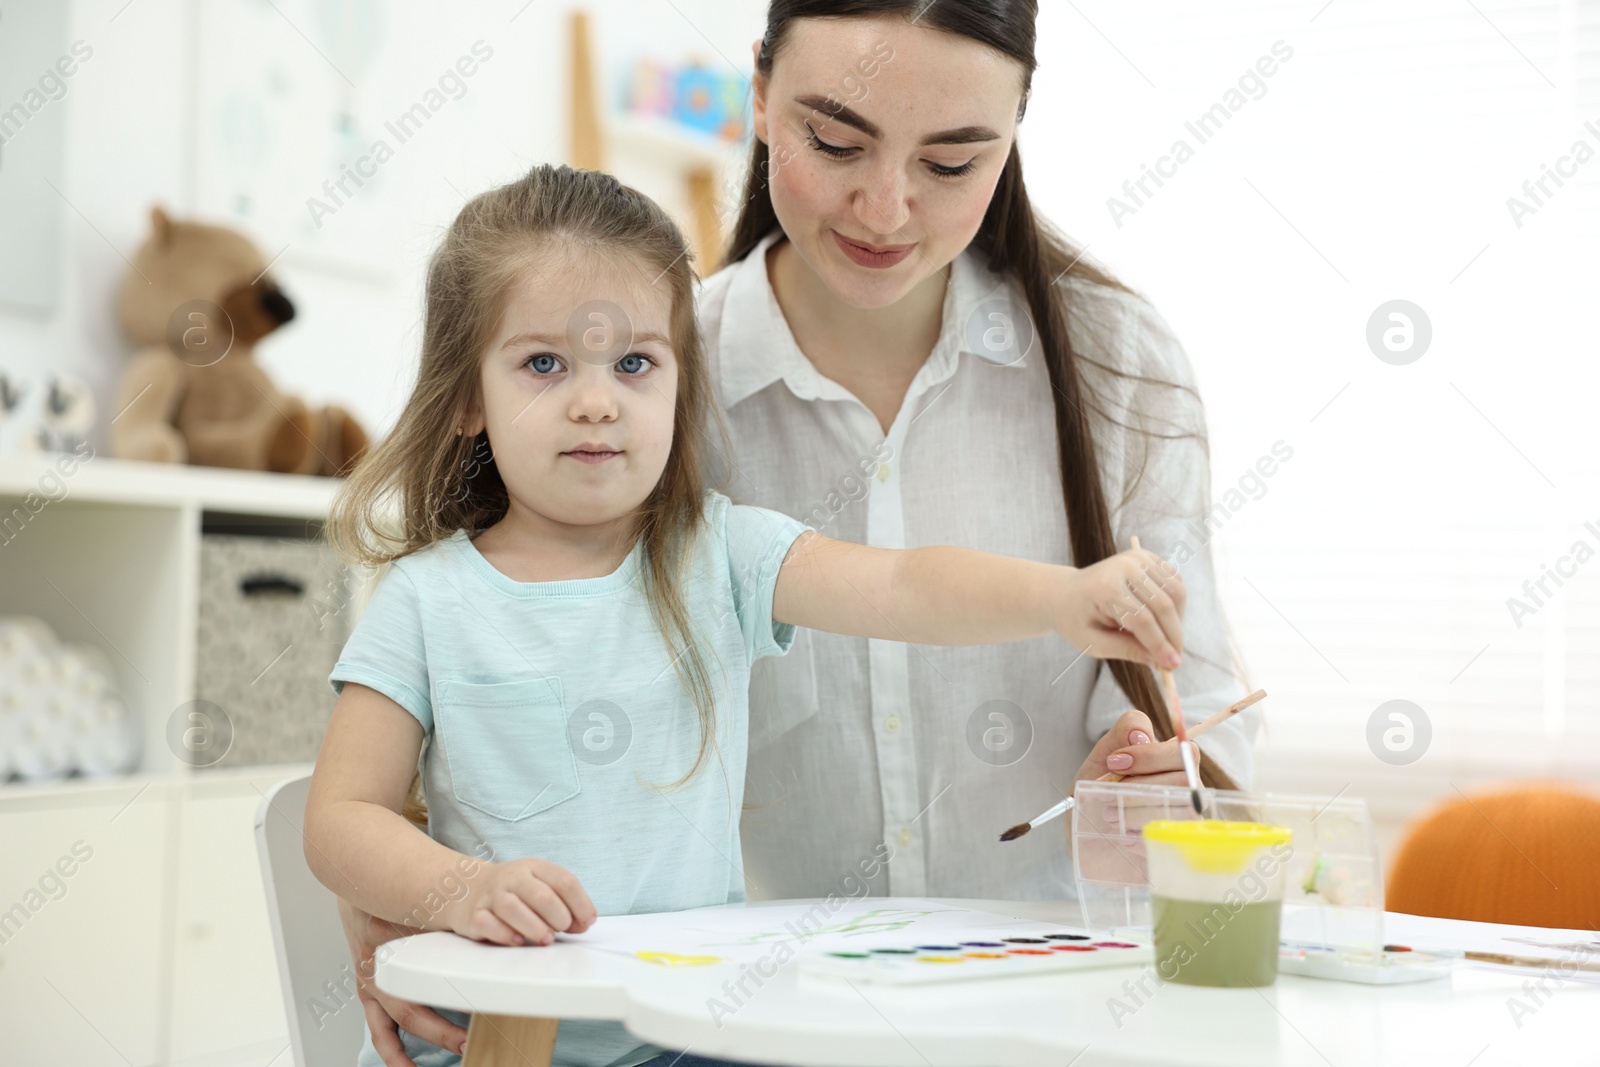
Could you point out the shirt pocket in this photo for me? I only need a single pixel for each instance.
(506, 745)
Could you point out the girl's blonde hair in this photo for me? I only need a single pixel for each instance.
(424, 481)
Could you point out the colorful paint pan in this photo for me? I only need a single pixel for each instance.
(976, 959)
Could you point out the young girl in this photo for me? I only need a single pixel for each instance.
(566, 634)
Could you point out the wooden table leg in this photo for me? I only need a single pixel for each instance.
(510, 1041)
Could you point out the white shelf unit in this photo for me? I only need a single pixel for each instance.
(112, 558)
(156, 951)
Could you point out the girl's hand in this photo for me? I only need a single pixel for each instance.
(522, 902)
(1127, 606)
(388, 1015)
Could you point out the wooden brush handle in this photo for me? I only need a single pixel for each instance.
(1505, 960)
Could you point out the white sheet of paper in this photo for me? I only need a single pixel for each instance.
(745, 935)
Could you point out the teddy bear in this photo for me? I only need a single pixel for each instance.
(197, 301)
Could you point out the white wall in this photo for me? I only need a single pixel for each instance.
(1376, 163)
(131, 117)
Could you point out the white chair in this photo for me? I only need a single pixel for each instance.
(326, 1023)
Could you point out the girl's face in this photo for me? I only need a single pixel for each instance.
(886, 140)
(579, 388)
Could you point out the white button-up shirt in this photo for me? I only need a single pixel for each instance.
(864, 748)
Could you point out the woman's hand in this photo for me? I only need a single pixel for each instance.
(521, 902)
(388, 1015)
(1129, 748)
(1127, 606)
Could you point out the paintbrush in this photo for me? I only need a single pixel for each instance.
(1191, 772)
(1039, 820)
(1185, 751)
(1066, 805)
(1501, 959)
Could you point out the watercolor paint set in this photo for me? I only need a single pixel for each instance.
(922, 963)
(1386, 967)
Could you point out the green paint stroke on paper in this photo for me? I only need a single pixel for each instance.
(878, 921)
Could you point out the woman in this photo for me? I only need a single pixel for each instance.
(906, 355)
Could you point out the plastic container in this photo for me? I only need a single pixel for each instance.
(1216, 899)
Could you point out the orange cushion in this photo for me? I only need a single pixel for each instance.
(1529, 856)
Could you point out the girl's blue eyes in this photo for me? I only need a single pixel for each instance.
(835, 151)
(633, 363)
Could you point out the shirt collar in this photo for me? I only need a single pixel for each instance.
(756, 348)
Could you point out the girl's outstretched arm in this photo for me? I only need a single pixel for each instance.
(1128, 606)
(361, 847)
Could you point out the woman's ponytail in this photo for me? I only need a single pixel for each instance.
(1019, 246)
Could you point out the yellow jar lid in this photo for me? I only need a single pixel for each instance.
(1213, 846)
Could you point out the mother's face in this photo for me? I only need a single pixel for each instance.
(879, 193)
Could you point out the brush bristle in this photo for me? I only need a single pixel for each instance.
(1016, 831)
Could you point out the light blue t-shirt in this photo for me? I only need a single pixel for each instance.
(553, 720)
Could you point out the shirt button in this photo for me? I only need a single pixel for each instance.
(883, 472)
(892, 723)
(904, 838)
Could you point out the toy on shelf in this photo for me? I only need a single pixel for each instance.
(68, 415)
(59, 709)
(12, 394)
(54, 415)
(197, 300)
(694, 96)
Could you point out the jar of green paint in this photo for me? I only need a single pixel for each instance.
(1216, 898)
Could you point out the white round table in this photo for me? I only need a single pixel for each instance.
(1474, 1017)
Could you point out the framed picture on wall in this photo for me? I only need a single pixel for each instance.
(36, 68)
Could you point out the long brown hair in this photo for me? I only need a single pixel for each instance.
(1022, 246)
(425, 481)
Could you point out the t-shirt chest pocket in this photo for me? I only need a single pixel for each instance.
(506, 745)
